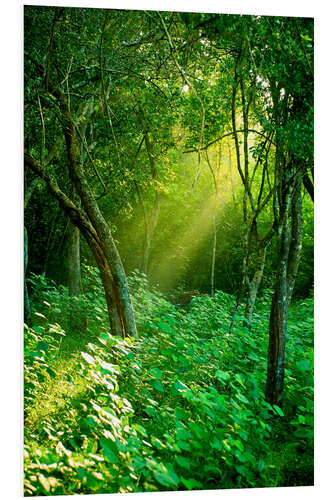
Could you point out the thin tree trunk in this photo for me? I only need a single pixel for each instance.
(289, 251)
(253, 287)
(212, 271)
(150, 221)
(150, 226)
(77, 318)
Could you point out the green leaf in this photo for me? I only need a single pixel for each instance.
(180, 386)
(42, 346)
(224, 376)
(183, 445)
(140, 429)
(242, 470)
(278, 410)
(157, 385)
(183, 462)
(191, 483)
(239, 444)
(164, 327)
(156, 372)
(108, 448)
(166, 477)
(216, 443)
(239, 379)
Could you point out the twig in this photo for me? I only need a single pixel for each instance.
(187, 81)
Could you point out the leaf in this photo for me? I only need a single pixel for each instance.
(140, 429)
(40, 315)
(167, 478)
(183, 445)
(278, 410)
(88, 358)
(157, 385)
(239, 379)
(222, 375)
(216, 443)
(180, 386)
(109, 367)
(304, 365)
(183, 462)
(242, 470)
(239, 444)
(191, 483)
(44, 482)
(107, 445)
(42, 346)
(242, 398)
(261, 465)
(156, 372)
(164, 327)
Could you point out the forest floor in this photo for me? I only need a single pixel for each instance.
(182, 408)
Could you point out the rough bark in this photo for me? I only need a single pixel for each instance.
(289, 251)
(74, 271)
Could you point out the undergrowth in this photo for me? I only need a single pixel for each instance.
(182, 408)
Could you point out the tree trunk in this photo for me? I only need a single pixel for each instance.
(212, 271)
(94, 241)
(253, 287)
(150, 221)
(289, 251)
(77, 318)
(112, 258)
(150, 226)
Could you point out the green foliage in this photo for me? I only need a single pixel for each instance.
(57, 306)
(182, 408)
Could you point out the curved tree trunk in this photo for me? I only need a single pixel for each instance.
(112, 258)
(117, 324)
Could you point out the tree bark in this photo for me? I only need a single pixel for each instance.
(253, 287)
(77, 319)
(289, 251)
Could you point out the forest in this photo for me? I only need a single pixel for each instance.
(168, 251)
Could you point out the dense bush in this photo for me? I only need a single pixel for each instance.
(182, 408)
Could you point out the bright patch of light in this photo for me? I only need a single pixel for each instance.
(185, 88)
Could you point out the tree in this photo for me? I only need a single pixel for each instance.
(91, 223)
